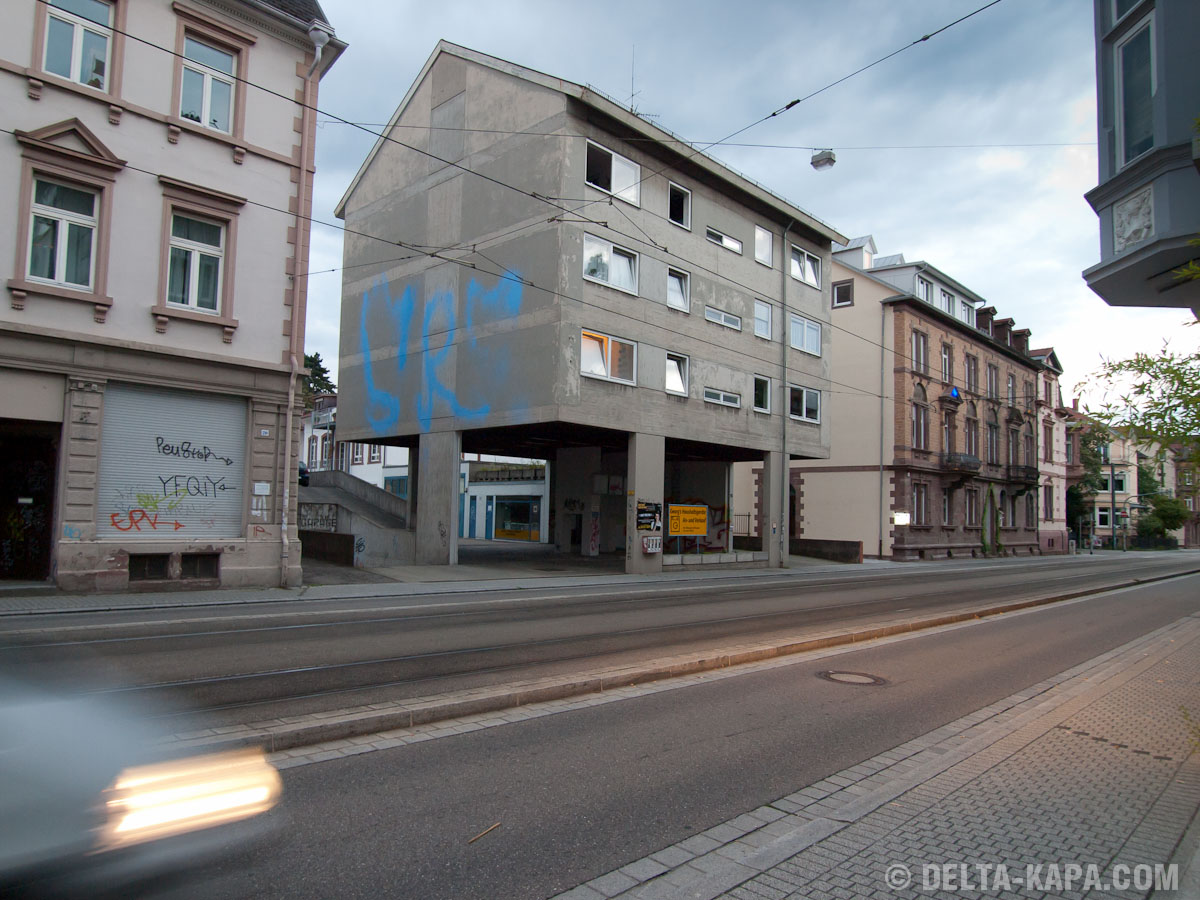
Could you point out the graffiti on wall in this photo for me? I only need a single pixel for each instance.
(440, 330)
(317, 517)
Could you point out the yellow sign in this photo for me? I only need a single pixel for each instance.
(687, 520)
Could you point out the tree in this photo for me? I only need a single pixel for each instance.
(1158, 398)
(317, 381)
(1092, 437)
(1170, 511)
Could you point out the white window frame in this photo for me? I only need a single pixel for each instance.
(375, 454)
(805, 391)
(63, 219)
(79, 25)
(948, 301)
(1010, 385)
(611, 249)
(356, 454)
(196, 249)
(764, 246)
(684, 364)
(608, 341)
(810, 328)
(720, 317)
(632, 194)
(209, 75)
(966, 312)
(1103, 517)
(947, 364)
(1119, 86)
(722, 398)
(805, 266)
(838, 286)
(685, 281)
(687, 205)
(763, 379)
(920, 352)
(924, 289)
(762, 319)
(723, 240)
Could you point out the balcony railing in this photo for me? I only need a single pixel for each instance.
(961, 462)
(1023, 474)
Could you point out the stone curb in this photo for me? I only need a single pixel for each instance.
(291, 732)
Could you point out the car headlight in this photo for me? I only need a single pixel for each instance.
(156, 801)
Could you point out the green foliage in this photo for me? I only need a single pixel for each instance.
(1150, 525)
(1170, 511)
(1148, 483)
(318, 380)
(1158, 398)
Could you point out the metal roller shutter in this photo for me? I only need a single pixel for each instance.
(172, 464)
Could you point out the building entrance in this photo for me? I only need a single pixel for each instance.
(28, 456)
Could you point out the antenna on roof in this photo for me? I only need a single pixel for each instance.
(633, 91)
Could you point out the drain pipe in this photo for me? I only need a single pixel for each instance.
(786, 480)
(319, 35)
(882, 416)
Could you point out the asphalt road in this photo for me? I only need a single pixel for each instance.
(230, 666)
(580, 793)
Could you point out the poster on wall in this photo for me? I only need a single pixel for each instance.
(172, 464)
(649, 516)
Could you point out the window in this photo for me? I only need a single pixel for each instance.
(196, 254)
(806, 267)
(972, 373)
(924, 289)
(613, 174)
(609, 264)
(206, 95)
(1103, 520)
(762, 394)
(678, 290)
(993, 382)
(972, 432)
(1047, 442)
(1187, 478)
(677, 374)
(945, 506)
(993, 441)
(1121, 9)
(763, 245)
(679, 205)
(804, 404)
(325, 444)
(920, 504)
(375, 454)
(843, 293)
(920, 352)
(729, 320)
(1070, 450)
(723, 398)
(1103, 448)
(312, 452)
(1134, 57)
(1014, 449)
(1116, 483)
(1002, 511)
(1188, 502)
(805, 335)
(1012, 390)
(1030, 455)
(62, 234)
(396, 484)
(947, 301)
(724, 240)
(1030, 511)
(972, 506)
(762, 319)
(1030, 396)
(1047, 501)
(920, 420)
(966, 312)
(603, 356)
(341, 456)
(947, 432)
(947, 363)
(357, 456)
(78, 35)
(1047, 392)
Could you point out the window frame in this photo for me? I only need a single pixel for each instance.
(685, 280)
(720, 397)
(612, 249)
(920, 503)
(948, 300)
(356, 454)
(193, 24)
(631, 194)
(947, 364)
(1047, 502)
(1048, 441)
(721, 239)
(804, 392)
(837, 287)
(608, 342)
(807, 324)
(1146, 23)
(687, 205)
(63, 219)
(375, 454)
(993, 381)
(924, 290)
(919, 349)
(760, 305)
(769, 236)
(684, 370)
(110, 32)
(972, 508)
(1010, 386)
(805, 257)
(195, 249)
(202, 203)
(761, 379)
(725, 319)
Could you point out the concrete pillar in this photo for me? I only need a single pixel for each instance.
(644, 483)
(775, 513)
(574, 497)
(438, 460)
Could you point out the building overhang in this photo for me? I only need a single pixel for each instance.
(1147, 276)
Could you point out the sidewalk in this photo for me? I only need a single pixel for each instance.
(1076, 787)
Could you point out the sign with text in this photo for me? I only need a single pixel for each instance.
(649, 516)
(687, 520)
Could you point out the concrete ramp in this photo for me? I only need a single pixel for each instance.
(345, 520)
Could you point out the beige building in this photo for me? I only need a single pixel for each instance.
(153, 242)
(1051, 431)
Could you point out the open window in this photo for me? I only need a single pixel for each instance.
(613, 174)
(677, 374)
(607, 357)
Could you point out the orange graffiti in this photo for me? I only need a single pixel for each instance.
(136, 518)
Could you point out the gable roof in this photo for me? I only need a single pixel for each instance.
(592, 98)
(1047, 357)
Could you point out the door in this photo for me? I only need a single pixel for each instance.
(28, 456)
(471, 527)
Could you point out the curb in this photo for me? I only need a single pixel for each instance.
(299, 731)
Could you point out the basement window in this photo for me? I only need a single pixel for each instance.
(200, 565)
(148, 566)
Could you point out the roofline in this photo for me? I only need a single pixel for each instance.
(923, 266)
(972, 330)
(333, 49)
(597, 101)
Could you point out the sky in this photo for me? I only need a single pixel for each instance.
(971, 150)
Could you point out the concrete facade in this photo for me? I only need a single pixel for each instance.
(600, 285)
(149, 256)
(1148, 196)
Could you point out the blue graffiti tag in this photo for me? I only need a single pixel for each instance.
(383, 407)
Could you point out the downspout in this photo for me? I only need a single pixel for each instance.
(784, 400)
(319, 36)
(882, 416)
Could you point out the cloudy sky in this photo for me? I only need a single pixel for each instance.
(1015, 84)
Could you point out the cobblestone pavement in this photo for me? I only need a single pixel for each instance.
(1075, 787)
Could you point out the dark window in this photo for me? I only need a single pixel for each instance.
(599, 167)
(200, 565)
(843, 293)
(148, 566)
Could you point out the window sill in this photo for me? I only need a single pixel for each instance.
(163, 315)
(236, 142)
(39, 79)
(614, 287)
(608, 380)
(20, 289)
(805, 421)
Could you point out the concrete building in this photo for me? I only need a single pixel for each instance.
(154, 232)
(1148, 198)
(1051, 429)
(578, 285)
(933, 444)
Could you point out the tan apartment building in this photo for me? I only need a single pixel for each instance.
(153, 247)
(933, 449)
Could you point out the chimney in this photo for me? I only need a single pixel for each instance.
(1020, 340)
